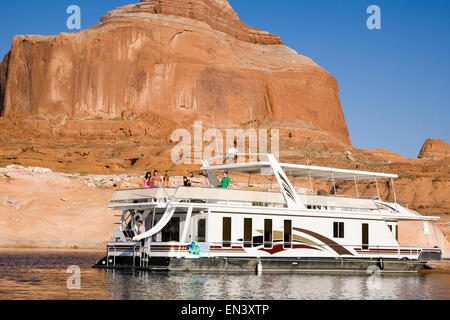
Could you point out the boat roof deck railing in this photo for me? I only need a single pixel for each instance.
(301, 171)
(127, 195)
(256, 165)
(198, 193)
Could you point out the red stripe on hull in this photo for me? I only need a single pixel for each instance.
(279, 248)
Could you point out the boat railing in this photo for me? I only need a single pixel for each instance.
(242, 196)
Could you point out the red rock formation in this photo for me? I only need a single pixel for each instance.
(218, 14)
(3, 77)
(434, 149)
(179, 59)
(387, 155)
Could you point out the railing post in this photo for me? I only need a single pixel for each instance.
(310, 181)
(334, 184)
(378, 190)
(140, 254)
(435, 234)
(395, 195)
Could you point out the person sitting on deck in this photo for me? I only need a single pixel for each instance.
(225, 181)
(187, 182)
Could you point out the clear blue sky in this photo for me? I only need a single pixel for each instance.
(394, 82)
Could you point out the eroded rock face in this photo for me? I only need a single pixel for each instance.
(179, 59)
(3, 76)
(218, 14)
(434, 149)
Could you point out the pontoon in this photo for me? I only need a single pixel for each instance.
(205, 229)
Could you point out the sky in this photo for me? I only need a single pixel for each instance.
(394, 82)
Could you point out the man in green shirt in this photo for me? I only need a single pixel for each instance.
(226, 180)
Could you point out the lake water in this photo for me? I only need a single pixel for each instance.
(40, 274)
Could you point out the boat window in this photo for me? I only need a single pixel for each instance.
(396, 232)
(258, 241)
(338, 230)
(201, 230)
(288, 233)
(390, 227)
(226, 233)
(365, 236)
(171, 231)
(267, 233)
(248, 230)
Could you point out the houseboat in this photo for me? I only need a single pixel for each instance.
(206, 229)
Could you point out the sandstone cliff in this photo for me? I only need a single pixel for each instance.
(177, 59)
(435, 149)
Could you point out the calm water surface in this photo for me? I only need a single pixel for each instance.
(37, 274)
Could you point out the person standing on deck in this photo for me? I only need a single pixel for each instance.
(141, 228)
(155, 180)
(166, 179)
(146, 180)
(225, 181)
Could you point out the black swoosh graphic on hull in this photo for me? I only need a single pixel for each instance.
(332, 244)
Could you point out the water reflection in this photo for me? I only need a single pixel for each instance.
(138, 285)
(42, 275)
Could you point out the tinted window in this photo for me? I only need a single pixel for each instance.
(338, 230)
(268, 233)
(226, 232)
(201, 230)
(287, 233)
(341, 230)
(248, 232)
(365, 236)
(171, 231)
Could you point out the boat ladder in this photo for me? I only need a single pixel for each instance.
(145, 252)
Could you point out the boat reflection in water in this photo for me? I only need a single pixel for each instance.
(145, 285)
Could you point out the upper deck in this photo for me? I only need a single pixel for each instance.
(211, 197)
(286, 199)
(243, 197)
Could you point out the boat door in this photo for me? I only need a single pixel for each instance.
(198, 228)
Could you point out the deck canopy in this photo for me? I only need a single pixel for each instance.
(300, 171)
(324, 173)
